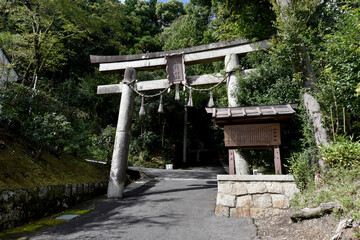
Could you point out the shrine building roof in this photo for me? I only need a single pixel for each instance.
(252, 114)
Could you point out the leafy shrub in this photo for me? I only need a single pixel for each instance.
(302, 167)
(342, 153)
(49, 131)
(102, 145)
(106, 141)
(43, 120)
(143, 159)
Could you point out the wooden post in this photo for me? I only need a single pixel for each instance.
(231, 162)
(122, 139)
(232, 61)
(277, 160)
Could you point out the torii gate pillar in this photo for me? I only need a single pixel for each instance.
(122, 138)
(235, 158)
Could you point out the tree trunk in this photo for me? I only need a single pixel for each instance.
(39, 153)
(312, 106)
(315, 117)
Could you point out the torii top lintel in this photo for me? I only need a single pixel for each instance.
(193, 55)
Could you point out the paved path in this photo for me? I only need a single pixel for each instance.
(175, 205)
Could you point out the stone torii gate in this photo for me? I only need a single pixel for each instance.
(150, 61)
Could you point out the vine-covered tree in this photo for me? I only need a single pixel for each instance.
(189, 29)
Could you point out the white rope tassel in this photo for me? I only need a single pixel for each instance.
(190, 102)
(177, 94)
(211, 100)
(142, 109)
(161, 106)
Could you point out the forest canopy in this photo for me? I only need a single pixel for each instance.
(49, 44)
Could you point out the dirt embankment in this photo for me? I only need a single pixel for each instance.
(282, 227)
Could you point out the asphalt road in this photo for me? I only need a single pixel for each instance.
(174, 205)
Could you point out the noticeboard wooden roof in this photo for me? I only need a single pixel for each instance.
(252, 114)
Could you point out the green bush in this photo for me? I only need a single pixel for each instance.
(342, 153)
(50, 131)
(302, 167)
(43, 120)
(103, 145)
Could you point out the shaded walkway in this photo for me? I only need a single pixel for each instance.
(178, 208)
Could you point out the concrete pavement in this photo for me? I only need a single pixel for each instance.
(175, 205)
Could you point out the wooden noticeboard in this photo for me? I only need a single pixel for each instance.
(252, 135)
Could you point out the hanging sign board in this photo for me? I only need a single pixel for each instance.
(175, 68)
(252, 135)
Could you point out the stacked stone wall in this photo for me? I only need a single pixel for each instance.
(21, 206)
(254, 195)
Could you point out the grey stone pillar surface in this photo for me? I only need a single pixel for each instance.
(122, 139)
(232, 61)
(185, 132)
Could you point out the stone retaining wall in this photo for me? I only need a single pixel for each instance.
(21, 206)
(254, 195)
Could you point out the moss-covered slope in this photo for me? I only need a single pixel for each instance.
(19, 170)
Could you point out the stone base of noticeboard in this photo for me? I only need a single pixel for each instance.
(254, 195)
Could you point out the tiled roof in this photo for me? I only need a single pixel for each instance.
(252, 111)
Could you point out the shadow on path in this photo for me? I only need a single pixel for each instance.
(161, 209)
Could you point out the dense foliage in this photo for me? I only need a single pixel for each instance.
(49, 42)
(342, 153)
(43, 120)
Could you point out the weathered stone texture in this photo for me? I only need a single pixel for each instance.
(240, 212)
(239, 188)
(276, 211)
(225, 187)
(254, 196)
(244, 201)
(73, 188)
(42, 192)
(222, 211)
(256, 187)
(280, 201)
(67, 190)
(23, 206)
(274, 187)
(4, 196)
(262, 200)
(225, 200)
(86, 188)
(256, 212)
